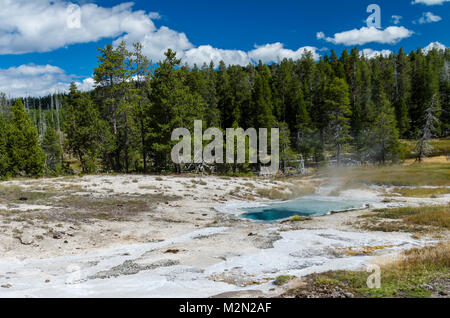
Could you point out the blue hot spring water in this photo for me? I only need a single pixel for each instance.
(310, 206)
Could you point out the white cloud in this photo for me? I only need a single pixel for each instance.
(428, 17)
(369, 53)
(267, 53)
(396, 19)
(390, 35)
(43, 25)
(38, 80)
(207, 53)
(430, 2)
(157, 42)
(86, 85)
(276, 53)
(434, 45)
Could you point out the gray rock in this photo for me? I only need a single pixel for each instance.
(26, 239)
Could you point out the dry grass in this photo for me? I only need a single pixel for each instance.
(438, 218)
(395, 175)
(419, 272)
(421, 192)
(427, 258)
(408, 219)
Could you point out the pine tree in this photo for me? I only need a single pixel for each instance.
(52, 151)
(225, 97)
(112, 77)
(84, 130)
(4, 158)
(25, 153)
(261, 105)
(173, 105)
(337, 104)
(402, 92)
(139, 97)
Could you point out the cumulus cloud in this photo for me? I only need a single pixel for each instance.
(42, 26)
(207, 53)
(267, 53)
(390, 35)
(38, 80)
(428, 17)
(434, 45)
(276, 53)
(156, 43)
(45, 25)
(369, 53)
(430, 2)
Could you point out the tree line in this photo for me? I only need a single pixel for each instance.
(328, 110)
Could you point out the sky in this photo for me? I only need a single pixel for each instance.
(45, 45)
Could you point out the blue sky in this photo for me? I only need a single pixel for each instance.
(41, 54)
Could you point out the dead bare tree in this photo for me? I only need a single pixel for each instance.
(423, 147)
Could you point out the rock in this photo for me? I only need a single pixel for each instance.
(26, 239)
(47, 281)
(172, 251)
(349, 295)
(6, 286)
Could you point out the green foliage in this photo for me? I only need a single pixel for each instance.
(348, 107)
(25, 156)
(337, 104)
(84, 130)
(283, 279)
(52, 150)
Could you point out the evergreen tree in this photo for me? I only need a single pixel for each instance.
(402, 93)
(261, 105)
(24, 149)
(173, 105)
(337, 104)
(4, 158)
(112, 77)
(84, 130)
(52, 151)
(139, 98)
(225, 97)
(383, 138)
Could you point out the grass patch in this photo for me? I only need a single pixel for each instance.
(395, 175)
(17, 194)
(411, 275)
(440, 147)
(283, 279)
(408, 219)
(421, 192)
(298, 218)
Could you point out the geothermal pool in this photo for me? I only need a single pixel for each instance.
(310, 206)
